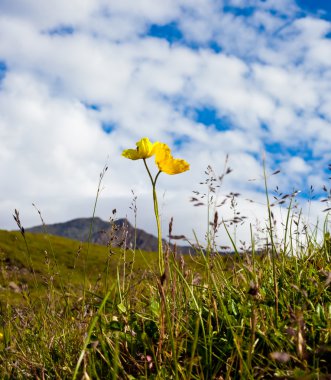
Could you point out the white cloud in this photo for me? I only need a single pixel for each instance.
(282, 84)
(296, 166)
(50, 145)
(44, 14)
(148, 10)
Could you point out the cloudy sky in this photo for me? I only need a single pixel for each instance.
(82, 80)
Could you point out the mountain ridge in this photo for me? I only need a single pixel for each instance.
(117, 233)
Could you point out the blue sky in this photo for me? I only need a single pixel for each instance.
(320, 8)
(210, 78)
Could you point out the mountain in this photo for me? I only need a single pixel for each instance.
(115, 233)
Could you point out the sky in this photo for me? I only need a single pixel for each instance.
(82, 80)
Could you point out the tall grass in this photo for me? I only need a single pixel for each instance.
(254, 314)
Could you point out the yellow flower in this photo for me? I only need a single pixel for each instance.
(166, 163)
(145, 149)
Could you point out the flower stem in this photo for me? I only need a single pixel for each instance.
(159, 233)
(157, 217)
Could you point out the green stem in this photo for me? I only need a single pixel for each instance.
(157, 217)
(159, 233)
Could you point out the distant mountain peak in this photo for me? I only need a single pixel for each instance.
(117, 232)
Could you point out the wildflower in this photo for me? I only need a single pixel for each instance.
(167, 164)
(145, 149)
(165, 161)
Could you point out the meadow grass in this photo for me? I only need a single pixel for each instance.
(82, 311)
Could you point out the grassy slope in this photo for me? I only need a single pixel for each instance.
(59, 258)
(222, 320)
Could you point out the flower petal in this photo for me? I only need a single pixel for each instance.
(173, 166)
(132, 154)
(166, 163)
(162, 152)
(145, 149)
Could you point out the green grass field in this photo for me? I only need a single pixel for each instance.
(251, 316)
(43, 260)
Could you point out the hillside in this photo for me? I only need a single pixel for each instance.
(57, 259)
